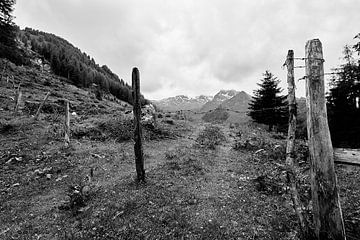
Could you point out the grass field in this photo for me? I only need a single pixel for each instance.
(203, 181)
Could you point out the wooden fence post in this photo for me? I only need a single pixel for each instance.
(41, 105)
(154, 115)
(328, 219)
(67, 123)
(18, 99)
(290, 149)
(138, 148)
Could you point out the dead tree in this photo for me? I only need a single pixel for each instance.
(328, 220)
(290, 149)
(138, 148)
(41, 105)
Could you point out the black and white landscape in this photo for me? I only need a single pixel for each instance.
(179, 119)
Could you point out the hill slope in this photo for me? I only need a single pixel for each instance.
(68, 61)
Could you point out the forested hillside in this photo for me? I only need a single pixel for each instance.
(70, 62)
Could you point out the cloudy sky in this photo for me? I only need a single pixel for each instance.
(195, 47)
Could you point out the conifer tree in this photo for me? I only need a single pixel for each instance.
(343, 101)
(267, 105)
(8, 32)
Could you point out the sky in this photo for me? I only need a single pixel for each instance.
(194, 47)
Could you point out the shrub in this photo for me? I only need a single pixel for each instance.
(210, 137)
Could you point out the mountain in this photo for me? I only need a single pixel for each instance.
(182, 102)
(239, 102)
(218, 99)
(77, 67)
(233, 110)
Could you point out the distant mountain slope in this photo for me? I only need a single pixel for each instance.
(182, 102)
(233, 110)
(218, 115)
(68, 61)
(219, 98)
(240, 102)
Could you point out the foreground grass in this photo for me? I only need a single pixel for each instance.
(194, 190)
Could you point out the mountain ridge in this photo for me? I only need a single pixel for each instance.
(182, 102)
(219, 98)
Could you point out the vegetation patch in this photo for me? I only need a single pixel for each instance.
(121, 129)
(218, 115)
(210, 137)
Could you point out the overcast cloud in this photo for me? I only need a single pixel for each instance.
(195, 47)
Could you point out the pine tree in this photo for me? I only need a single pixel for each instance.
(8, 32)
(343, 101)
(268, 106)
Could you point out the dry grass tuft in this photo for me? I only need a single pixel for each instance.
(210, 137)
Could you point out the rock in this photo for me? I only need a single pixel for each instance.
(85, 190)
(48, 176)
(61, 178)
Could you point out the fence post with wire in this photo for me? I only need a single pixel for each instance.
(327, 212)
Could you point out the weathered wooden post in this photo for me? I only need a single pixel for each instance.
(17, 99)
(41, 105)
(138, 148)
(67, 123)
(328, 219)
(154, 115)
(290, 147)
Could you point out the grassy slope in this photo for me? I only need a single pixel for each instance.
(191, 192)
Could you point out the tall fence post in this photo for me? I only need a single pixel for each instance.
(328, 219)
(138, 148)
(67, 124)
(41, 105)
(290, 149)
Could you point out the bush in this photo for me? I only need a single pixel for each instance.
(210, 137)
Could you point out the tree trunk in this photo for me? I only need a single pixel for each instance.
(328, 219)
